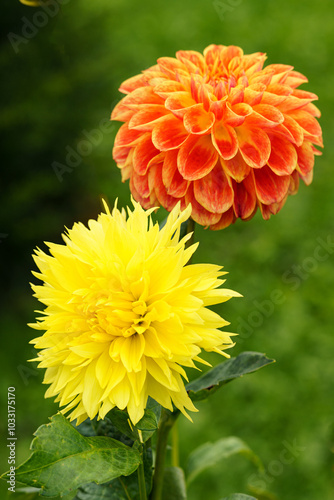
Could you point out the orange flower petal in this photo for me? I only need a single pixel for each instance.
(268, 210)
(244, 203)
(198, 121)
(235, 115)
(225, 220)
(169, 133)
(167, 88)
(254, 145)
(197, 157)
(224, 140)
(141, 184)
(295, 79)
(236, 167)
(264, 115)
(126, 137)
(294, 183)
(121, 113)
(291, 130)
(269, 187)
(305, 158)
(194, 61)
(213, 191)
(199, 213)
(143, 95)
(283, 157)
(133, 83)
(156, 184)
(179, 102)
(307, 122)
(147, 117)
(173, 181)
(253, 94)
(146, 203)
(307, 178)
(120, 154)
(143, 153)
(170, 65)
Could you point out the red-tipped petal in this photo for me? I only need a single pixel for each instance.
(173, 181)
(197, 157)
(146, 118)
(169, 133)
(269, 187)
(198, 121)
(236, 167)
(283, 157)
(254, 145)
(199, 213)
(213, 191)
(143, 153)
(224, 140)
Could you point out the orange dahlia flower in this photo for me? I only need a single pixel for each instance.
(218, 131)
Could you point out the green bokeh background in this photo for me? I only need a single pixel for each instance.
(59, 82)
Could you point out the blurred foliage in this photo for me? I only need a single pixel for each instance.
(61, 72)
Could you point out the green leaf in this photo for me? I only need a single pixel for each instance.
(174, 486)
(239, 496)
(30, 493)
(246, 362)
(146, 425)
(121, 488)
(63, 459)
(209, 454)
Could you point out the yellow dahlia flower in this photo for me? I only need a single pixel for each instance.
(124, 313)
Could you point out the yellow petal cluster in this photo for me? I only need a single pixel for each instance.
(125, 313)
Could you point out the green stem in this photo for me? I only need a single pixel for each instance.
(175, 446)
(167, 422)
(190, 229)
(141, 481)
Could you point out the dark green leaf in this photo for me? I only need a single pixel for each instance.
(174, 486)
(121, 488)
(246, 362)
(63, 459)
(147, 425)
(209, 454)
(239, 496)
(30, 493)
